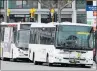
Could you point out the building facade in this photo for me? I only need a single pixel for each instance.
(75, 12)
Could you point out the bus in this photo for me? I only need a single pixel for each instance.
(61, 43)
(15, 40)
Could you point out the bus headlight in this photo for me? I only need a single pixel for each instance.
(20, 51)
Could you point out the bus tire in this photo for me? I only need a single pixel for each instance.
(3, 59)
(33, 58)
(84, 66)
(12, 59)
(35, 62)
(47, 60)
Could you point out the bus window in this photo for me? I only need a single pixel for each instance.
(46, 35)
(33, 36)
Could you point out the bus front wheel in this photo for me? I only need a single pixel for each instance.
(47, 61)
(35, 62)
(12, 59)
(85, 66)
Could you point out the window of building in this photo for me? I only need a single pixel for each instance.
(80, 4)
(81, 18)
(89, 2)
(55, 3)
(15, 4)
(44, 18)
(66, 19)
(23, 4)
(30, 3)
(1, 4)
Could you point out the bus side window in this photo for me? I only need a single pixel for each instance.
(46, 36)
(33, 36)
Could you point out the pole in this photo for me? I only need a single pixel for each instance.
(5, 9)
(59, 12)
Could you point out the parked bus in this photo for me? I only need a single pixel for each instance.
(63, 43)
(15, 40)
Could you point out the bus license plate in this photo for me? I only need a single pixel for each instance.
(74, 61)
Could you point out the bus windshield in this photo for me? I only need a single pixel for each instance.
(73, 37)
(23, 38)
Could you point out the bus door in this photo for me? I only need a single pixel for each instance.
(7, 41)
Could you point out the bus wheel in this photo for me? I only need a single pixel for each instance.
(47, 61)
(12, 59)
(33, 58)
(4, 59)
(35, 62)
(84, 66)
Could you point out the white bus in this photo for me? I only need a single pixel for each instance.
(15, 40)
(62, 43)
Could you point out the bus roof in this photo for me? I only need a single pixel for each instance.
(15, 23)
(4, 23)
(70, 23)
(51, 24)
(38, 25)
(76, 24)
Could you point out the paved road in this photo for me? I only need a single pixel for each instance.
(6, 65)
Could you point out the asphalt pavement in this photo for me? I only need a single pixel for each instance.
(22, 65)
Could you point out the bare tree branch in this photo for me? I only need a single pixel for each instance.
(44, 4)
(54, 4)
(60, 3)
(66, 4)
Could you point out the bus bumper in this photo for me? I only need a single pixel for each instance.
(22, 55)
(71, 61)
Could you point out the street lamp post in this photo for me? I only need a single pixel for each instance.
(5, 9)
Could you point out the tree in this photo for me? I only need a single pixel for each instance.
(60, 4)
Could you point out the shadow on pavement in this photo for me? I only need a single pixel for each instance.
(67, 65)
